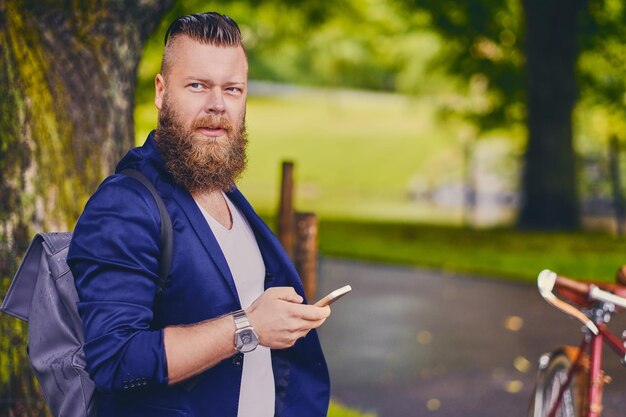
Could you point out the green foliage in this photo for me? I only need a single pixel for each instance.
(602, 70)
(495, 253)
(348, 43)
(482, 39)
(485, 38)
(603, 60)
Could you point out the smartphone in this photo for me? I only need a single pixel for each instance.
(333, 296)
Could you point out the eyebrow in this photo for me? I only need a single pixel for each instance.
(211, 82)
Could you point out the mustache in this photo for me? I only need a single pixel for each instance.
(213, 121)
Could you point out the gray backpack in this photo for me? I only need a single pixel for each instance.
(43, 294)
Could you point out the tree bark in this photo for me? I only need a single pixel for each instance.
(549, 191)
(67, 81)
(70, 76)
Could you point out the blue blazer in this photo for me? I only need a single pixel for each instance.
(114, 257)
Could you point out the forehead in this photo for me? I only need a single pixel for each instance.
(190, 58)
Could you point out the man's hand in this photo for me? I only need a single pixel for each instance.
(279, 317)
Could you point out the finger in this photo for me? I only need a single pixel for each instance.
(312, 312)
(287, 294)
(313, 324)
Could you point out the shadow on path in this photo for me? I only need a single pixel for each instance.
(415, 342)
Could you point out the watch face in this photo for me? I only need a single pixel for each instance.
(246, 340)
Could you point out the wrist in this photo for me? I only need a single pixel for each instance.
(245, 338)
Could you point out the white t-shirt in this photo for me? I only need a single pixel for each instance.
(240, 248)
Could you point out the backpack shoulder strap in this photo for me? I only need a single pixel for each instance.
(166, 245)
(166, 227)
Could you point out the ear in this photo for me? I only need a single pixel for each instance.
(159, 90)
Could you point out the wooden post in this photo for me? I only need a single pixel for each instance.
(285, 211)
(616, 185)
(307, 227)
(298, 233)
(469, 184)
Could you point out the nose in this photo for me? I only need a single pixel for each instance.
(214, 102)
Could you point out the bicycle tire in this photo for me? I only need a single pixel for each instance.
(551, 377)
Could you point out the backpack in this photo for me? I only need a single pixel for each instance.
(43, 294)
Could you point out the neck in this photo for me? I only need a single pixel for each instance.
(214, 203)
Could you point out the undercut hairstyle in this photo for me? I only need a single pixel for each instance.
(209, 28)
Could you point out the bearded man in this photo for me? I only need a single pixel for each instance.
(181, 353)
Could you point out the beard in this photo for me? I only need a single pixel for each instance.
(199, 163)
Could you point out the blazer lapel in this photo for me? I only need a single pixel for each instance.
(206, 236)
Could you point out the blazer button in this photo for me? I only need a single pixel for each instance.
(238, 359)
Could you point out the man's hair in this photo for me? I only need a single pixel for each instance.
(209, 28)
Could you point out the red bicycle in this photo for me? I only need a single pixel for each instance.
(570, 379)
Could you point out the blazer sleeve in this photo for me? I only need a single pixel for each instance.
(114, 257)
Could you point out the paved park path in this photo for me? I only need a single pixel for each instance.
(416, 342)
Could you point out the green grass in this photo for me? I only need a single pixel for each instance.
(338, 410)
(356, 155)
(501, 253)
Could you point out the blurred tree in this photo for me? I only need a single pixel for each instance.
(565, 46)
(550, 194)
(67, 76)
(484, 40)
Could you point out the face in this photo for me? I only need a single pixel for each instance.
(202, 102)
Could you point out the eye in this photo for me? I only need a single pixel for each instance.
(234, 90)
(195, 86)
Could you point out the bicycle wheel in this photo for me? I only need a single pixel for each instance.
(551, 377)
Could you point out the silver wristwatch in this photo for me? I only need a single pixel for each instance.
(246, 339)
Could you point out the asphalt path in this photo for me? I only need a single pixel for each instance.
(416, 342)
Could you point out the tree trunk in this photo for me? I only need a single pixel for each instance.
(550, 197)
(67, 80)
(69, 74)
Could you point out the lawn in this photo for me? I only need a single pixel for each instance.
(498, 253)
(338, 410)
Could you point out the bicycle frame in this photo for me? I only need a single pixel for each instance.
(597, 333)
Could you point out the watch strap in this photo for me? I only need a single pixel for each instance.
(241, 320)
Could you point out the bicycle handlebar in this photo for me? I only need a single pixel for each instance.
(547, 280)
(596, 293)
(581, 292)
